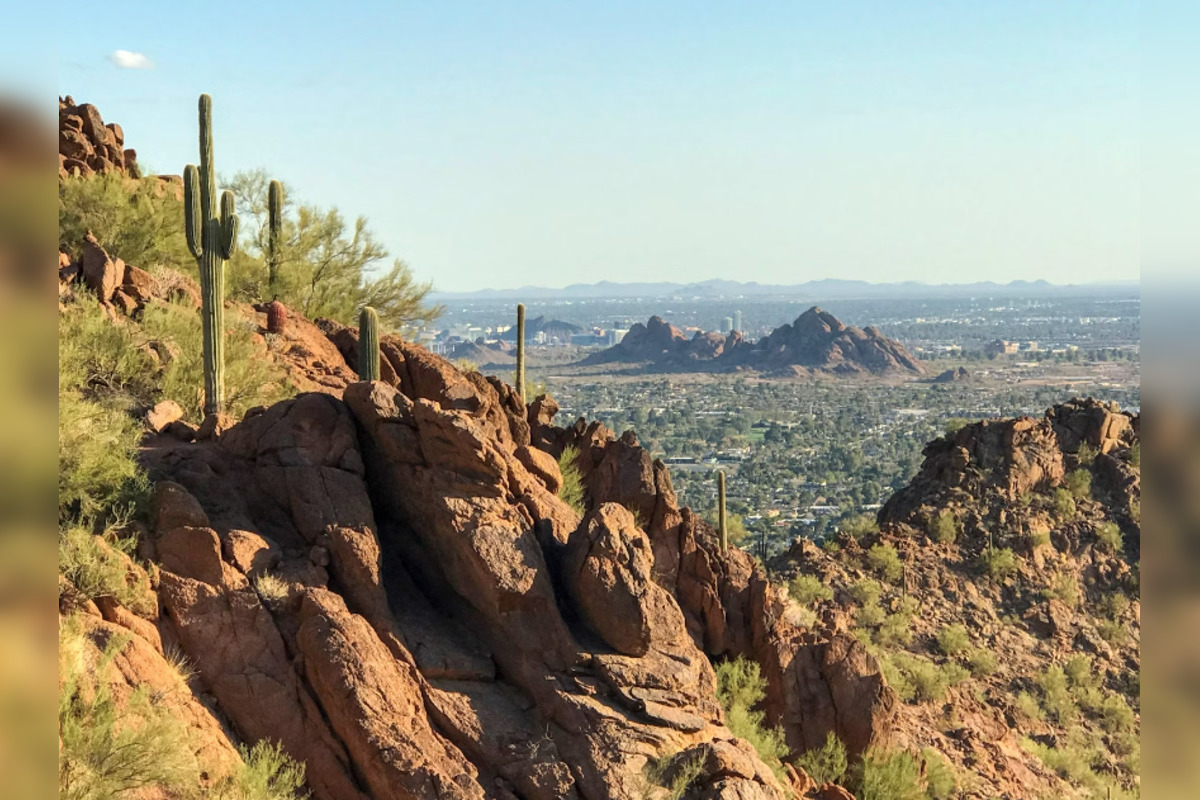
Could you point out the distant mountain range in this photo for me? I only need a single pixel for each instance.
(825, 289)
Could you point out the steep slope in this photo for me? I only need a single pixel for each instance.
(1001, 596)
(817, 342)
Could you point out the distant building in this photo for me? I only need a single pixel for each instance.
(726, 324)
(1000, 347)
(737, 320)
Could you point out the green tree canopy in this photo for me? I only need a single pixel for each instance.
(329, 267)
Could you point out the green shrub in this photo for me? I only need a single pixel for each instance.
(740, 687)
(1113, 632)
(858, 526)
(889, 776)
(110, 748)
(1135, 455)
(981, 662)
(808, 589)
(98, 476)
(830, 545)
(1064, 587)
(1028, 705)
(953, 639)
(266, 773)
(98, 566)
(1115, 604)
(1108, 535)
(250, 378)
(1056, 699)
(827, 763)
(571, 491)
(943, 527)
(894, 631)
(1079, 483)
(1115, 714)
(137, 222)
(1039, 538)
(897, 679)
(102, 360)
(929, 682)
(998, 563)
(1086, 454)
(940, 779)
(885, 562)
(1063, 504)
(866, 592)
(1078, 669)
(870, 616)
(954, 425)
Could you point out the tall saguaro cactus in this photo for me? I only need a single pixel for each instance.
(274, 234)
(722, 526)
(521, 351)
(368, 344)
(212, 238)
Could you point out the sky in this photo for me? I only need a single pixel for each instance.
(495, 145)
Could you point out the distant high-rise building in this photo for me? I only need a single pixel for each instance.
(726, 324)
(737, 320)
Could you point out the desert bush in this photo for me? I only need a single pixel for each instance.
(100, 359)
(110, 749)
(1115, 714)
(827, 763)
(928, 681)
(740, 687)
(981, 662)
(808, 589)
(1028, 705)
(1039, 538)
(1056, 699)
(954, 425)
(266, 773)
(858, 526)
(1078, 669)
(889, 776)
(870, 616)
(1115, 604)
(250, 378)
(1108, 535)
(1112, 631)
(866, 592)
(1135, 455)
(1063, 504)
(940, 779)
(1079, 483)
(998, 563)
(98, 475)
(885, 562)
(943, 527)
(271, 589)
(571, 491)
(1074, 759)
(1086, 454)
(953, 639)
(1064, 587)
(895, 631)
(135, 221)
(98, 566)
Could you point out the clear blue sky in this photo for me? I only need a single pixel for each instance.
(501, 144)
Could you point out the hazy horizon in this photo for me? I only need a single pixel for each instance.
(552, 146)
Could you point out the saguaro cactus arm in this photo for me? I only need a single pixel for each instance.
(193, 222)
(274, 231)
(229, 225)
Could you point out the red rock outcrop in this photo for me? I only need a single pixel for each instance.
(86, 146)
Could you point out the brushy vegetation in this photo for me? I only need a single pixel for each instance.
(1108, 536)
(1079, 483)
(113, 748)
(98, 566)
(740, 687)
(943, 527)
(1064, 587)
(941, 782)
(858, 526)
(917, 679)
(808, 589)
(953, 639)
(981, 662)
(1086, 454)
(1062, 502)
(885, 562)
(655, 773)
(827, 763)
(998, 563)
(571, 491)
(891, 775)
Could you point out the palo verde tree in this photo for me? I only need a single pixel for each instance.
(212, 239)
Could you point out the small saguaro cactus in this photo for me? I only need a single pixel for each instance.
(368, 344)
(521, 351)
(274, 233)
(722, 526)
(212, 238)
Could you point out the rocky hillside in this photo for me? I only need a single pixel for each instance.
(817, 342)
(1000, 593)
(391, 584)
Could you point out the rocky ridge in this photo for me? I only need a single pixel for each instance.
(816, 343)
